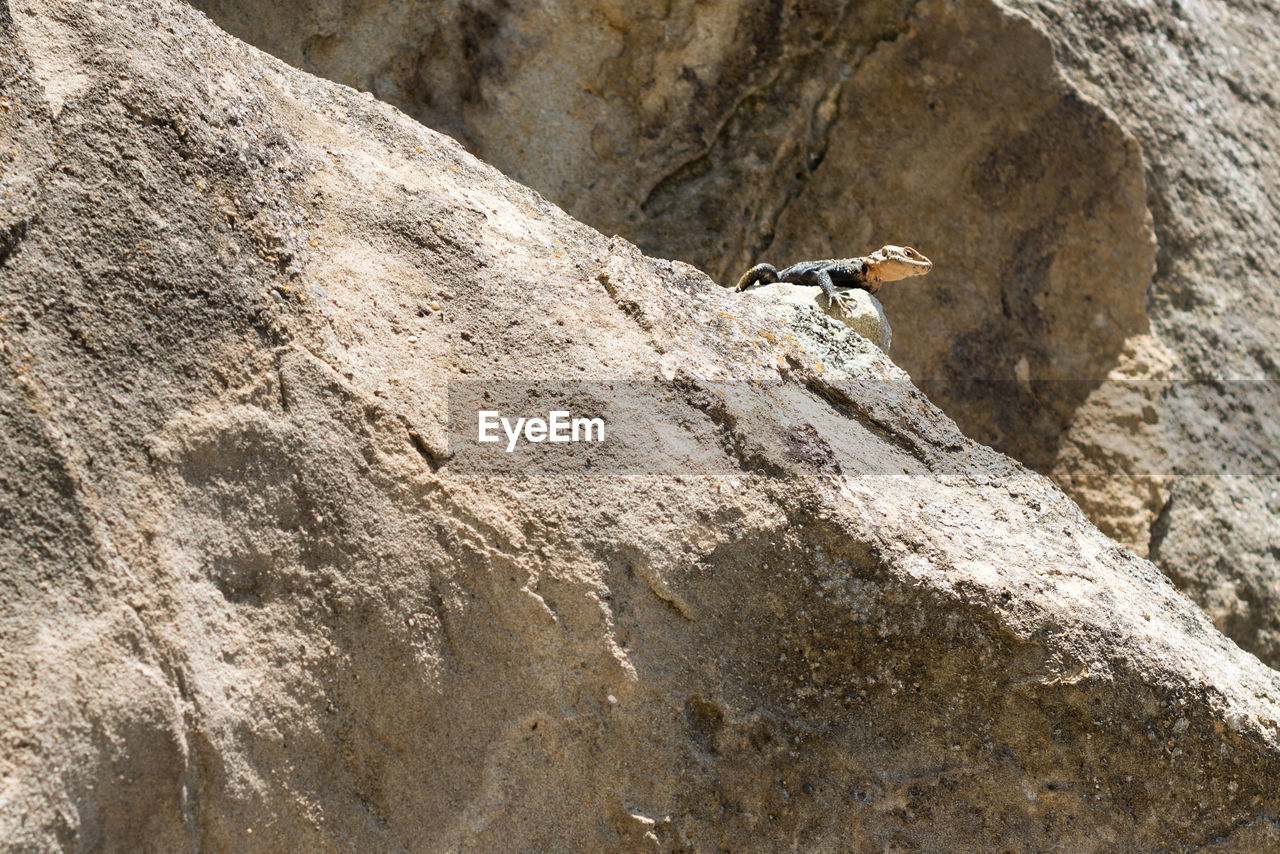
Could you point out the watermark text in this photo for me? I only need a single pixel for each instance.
(558, 426)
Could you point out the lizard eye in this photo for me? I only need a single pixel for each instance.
(909, 252)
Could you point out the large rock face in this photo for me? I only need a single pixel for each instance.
(1095, 183)
(1196, 83)
(257, 590)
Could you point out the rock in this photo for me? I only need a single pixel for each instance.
(1083, 180)
(1214, 540)
(257, 587)
(863, 312)
(1195, 86)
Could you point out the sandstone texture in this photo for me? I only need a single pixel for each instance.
(1096, 182)
(258, 595)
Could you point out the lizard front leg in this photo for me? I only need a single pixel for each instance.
(822, 279)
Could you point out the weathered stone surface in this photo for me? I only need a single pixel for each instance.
(248, 594)
(1213, 541)
(1196, 84)
(862, 312)
(1050, 157)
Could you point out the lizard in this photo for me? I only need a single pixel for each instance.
(886, 264)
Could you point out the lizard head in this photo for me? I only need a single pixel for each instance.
(891, 263)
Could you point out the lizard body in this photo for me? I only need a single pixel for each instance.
(886, 264)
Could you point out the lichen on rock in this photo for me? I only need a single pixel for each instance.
(862, 312)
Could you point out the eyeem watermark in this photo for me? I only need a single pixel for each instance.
(655, 426)
(558, 427)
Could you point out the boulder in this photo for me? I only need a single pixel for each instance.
(1090, 181)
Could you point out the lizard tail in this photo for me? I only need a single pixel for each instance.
(760, 274)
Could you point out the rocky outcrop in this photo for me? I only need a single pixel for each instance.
(862, 312)
(1092, 183)
(1196, 84)
(259, 591)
